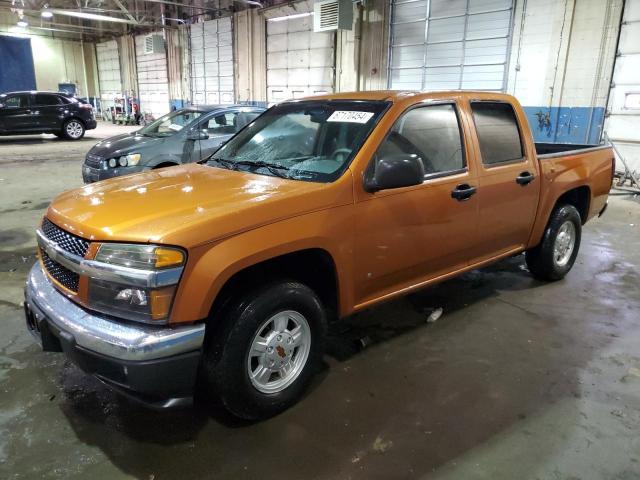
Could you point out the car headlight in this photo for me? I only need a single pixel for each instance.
(130, 160)
(116, 293)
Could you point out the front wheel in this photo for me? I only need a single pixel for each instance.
(73, 129)
(263, 356)
(556, 254)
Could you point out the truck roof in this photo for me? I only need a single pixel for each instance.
(399, 95)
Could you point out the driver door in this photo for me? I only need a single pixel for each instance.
(15, 115)
(409, 235)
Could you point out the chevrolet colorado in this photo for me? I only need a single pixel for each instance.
(224, 274)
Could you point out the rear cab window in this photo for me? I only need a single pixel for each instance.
(498, 133)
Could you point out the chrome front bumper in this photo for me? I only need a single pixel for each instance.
(99, 334)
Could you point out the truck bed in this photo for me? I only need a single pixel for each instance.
(547, 150)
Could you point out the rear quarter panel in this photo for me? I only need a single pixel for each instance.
(561, 173)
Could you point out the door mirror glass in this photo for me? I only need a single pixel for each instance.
(395, 171)
(197, 135)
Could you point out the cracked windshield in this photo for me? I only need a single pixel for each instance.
(310, 140)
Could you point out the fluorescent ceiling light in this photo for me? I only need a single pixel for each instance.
(46, 14)
(92, 16)
(290, 17)
(22, 23)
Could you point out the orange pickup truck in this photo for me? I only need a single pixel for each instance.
(224, 274)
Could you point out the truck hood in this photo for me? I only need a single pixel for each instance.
(123, 144)
(187, 205)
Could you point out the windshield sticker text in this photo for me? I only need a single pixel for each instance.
(352, 117)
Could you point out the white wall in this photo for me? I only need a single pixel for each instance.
(562, 51)
(55, 60)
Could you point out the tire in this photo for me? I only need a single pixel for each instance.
(73, 129)
(556, 254)
(264, 318)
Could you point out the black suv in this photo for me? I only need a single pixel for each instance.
(23, 113)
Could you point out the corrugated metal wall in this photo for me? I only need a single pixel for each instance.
(450, 44)
(212, 72)
(300, 62)
(153, 82)
(623, 123)
(109, 80)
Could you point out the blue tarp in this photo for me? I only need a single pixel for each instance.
(16, 64)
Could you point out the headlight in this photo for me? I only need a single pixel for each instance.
(130, 160)
(115, 295)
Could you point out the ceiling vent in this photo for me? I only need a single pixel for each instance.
(153, 44)
(332, 15)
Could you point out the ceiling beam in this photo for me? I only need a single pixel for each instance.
(124, 10)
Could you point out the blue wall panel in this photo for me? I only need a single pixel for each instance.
(16, 65)
(581, 125)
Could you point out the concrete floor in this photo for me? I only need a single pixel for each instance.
(517, 380)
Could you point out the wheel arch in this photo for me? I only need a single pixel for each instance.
(314, 267)
(579, 197)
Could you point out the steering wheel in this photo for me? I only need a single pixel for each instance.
(338, 151)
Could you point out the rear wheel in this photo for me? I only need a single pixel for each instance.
(73, 129)
(263, 356)
(556, 254)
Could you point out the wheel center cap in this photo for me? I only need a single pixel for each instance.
(281, 351)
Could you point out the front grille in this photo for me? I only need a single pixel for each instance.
(65, 240)
(60, 273)
(93, 160)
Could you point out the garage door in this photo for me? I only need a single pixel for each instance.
(153, 84)
(109, 79)
(212, 62)
(299, 61)
(624, 100)
(450, 44)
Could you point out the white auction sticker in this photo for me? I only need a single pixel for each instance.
(352, 117)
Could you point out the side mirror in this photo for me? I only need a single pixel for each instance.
(197, 135)
(395, 171)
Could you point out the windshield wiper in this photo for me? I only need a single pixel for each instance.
(228, 164)
(276, 169)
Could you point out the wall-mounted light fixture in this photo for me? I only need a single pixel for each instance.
(290, 17)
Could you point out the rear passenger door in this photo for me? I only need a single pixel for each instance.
(406, 236)
(46, 111)
(508, 187)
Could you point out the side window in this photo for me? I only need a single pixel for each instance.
(498, 132)
(223, 124)
(432, 133)
(244, 118)
(17, 101)
(43, 99)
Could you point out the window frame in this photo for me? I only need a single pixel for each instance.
(463, 144)
(522, 159)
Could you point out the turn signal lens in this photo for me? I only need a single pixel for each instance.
(161, 302)
(168, 257)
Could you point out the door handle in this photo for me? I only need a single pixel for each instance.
(463, 192)
(525, 178)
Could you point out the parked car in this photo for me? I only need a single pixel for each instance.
(182, 136)
(226, 273)
(27, 113)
